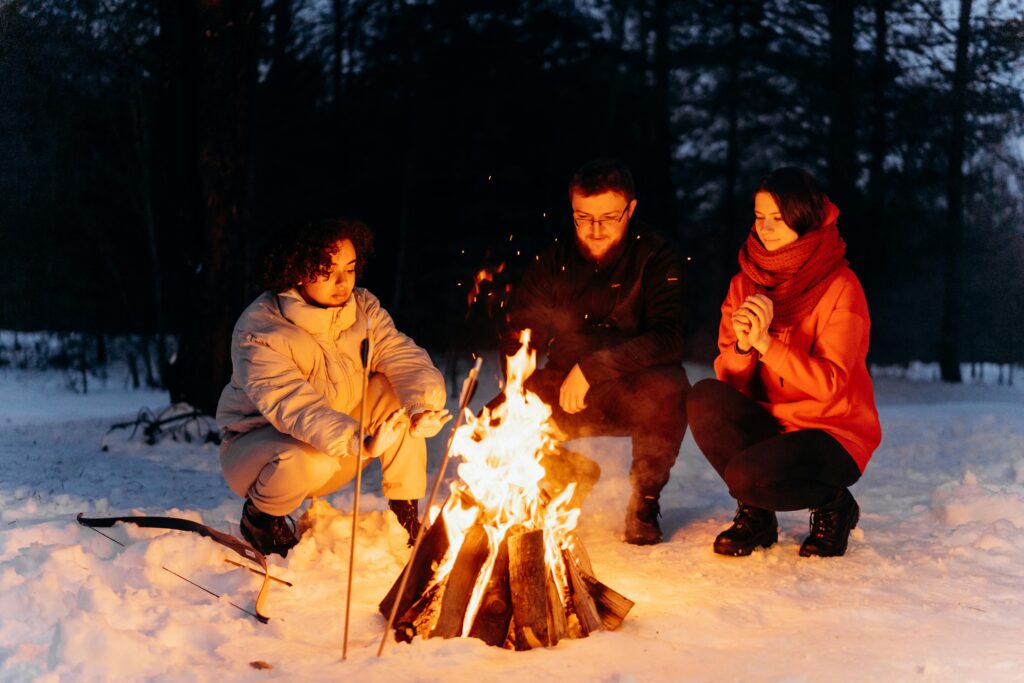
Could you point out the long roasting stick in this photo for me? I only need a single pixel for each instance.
(468, 385)
(364, 351)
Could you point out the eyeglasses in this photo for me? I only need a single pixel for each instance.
(584, 221)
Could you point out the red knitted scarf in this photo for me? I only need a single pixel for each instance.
(797, 275)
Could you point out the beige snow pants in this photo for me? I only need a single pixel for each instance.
(278, 472)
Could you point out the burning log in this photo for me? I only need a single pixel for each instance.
(534, 586)
(612, 606)
(417, 620)
(528, 574)
(492, 621)
(459, 587)
(583, 604)
(558, 622)
(432, 550)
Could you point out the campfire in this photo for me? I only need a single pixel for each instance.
(500, 561)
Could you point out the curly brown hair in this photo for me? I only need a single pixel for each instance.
(304, 249)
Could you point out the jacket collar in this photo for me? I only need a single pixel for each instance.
(314, 319)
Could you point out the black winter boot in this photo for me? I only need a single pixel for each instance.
(831, 525)
(268, 534)
(642, 526)
(408, 513)
(751, 528)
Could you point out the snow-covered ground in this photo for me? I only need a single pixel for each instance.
(932, 587)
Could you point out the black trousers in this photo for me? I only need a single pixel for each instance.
(762, 466)
(650, 407)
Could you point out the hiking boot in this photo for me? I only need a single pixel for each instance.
(830, 527)
(751, 527)
(408, 514)
(269, 534)
(642, 520)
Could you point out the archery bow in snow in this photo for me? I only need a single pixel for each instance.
(177, 524)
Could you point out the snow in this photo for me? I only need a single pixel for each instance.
(932, 587)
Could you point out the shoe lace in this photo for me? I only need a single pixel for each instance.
(283, 529)
(824, 523)
(744, 517)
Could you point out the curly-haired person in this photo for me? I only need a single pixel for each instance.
(290, 413)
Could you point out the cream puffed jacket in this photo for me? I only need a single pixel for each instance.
(297, 367)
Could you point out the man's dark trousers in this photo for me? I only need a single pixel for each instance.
(649, 406)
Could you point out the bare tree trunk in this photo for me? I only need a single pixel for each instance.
(664, 140)
(842, 113)
(143, 147)
(218, 87)
(879, 130)
(404, 234)
(338, 37)
(949, 344)
(731, 236)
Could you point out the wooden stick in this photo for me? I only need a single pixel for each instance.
(257, 571)
(364, 352)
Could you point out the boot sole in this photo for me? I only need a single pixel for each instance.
(733, 550)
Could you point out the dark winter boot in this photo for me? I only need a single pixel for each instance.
(268, 534)
(642, 520)
(830, 527)
(408, 513)
(751, 528)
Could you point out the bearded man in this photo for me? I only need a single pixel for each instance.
(607, 309)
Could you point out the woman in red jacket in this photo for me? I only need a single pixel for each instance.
(790, 421)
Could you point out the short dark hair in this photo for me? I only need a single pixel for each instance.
(602, 175)
(303, 250)
(800, 199)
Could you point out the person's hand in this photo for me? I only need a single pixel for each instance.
(386, 434)
(573, 394)
(741, 328)
(428, 423)
(759, 310)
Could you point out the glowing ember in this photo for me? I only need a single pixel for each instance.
(483, 275)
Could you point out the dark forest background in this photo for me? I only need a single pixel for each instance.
(148, 148)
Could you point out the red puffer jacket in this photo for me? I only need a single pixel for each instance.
(814, 375)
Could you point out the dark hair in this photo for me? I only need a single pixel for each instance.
(602, 175)
(798, 196)
(303, 251)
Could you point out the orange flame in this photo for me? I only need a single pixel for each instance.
(501, 472)
(483, 275)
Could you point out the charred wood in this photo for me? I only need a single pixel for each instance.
(432, 550)
(459, 583)
(528, 579)
(495, 616)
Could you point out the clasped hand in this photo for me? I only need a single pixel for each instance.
(750, 323)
